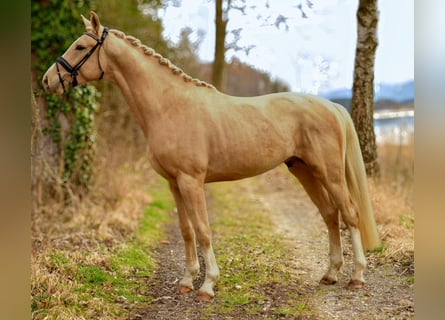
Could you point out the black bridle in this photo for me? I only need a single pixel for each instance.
(73, 70)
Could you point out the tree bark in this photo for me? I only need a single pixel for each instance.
(220, 46)
(363, 87)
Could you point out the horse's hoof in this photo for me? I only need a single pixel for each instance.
(184, 290)
(328, 281)
(203, 297)
(355, 284)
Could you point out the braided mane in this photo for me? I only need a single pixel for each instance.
(162, 61)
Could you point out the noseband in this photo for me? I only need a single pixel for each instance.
(73, 70)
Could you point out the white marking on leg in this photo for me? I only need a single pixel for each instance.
(359, 256)
(212, 272)
(335, 255)
(192, 266)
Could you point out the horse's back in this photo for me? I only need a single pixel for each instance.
(247, 136)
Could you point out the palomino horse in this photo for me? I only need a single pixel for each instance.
(196, 134)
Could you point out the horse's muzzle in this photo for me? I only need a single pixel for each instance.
(50, 84)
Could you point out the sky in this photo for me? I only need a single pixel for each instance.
(313, 54)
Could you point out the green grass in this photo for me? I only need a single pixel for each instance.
(252, 259)
(103, 282)
(410, 280)
(293, 310)
(379, 250)
(90, 274)
(407, 221)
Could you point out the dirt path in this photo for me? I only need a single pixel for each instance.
(387, 294)
(168, 303)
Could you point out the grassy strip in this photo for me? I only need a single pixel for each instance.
(256, 273)
(102, 282)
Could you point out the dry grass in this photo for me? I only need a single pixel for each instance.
(75, 245)
(90, 254)
(113, 208)
(109, 213)
(392, 199)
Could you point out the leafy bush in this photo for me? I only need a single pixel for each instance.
(55, 24)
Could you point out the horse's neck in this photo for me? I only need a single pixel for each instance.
(146, 85)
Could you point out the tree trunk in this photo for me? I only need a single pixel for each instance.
(220, 46)
(363, 87)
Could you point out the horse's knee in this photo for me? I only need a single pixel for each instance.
(204, 236)
(188, 234)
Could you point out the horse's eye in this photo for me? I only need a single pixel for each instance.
(80, 47)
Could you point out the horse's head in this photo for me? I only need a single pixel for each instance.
(81, 63)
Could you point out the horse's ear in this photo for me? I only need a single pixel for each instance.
(95, 22)
(86, 22)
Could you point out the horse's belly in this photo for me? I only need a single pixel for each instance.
(234, 175)
(240, 166)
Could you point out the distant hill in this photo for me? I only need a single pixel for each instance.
(386, 96)
(383, 104)
(399, 93)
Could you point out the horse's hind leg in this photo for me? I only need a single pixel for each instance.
(329, 212)
(188, 234)
(335, 183)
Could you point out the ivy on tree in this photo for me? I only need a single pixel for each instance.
(55, 24)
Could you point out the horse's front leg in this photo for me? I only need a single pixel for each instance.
(192, 191)
(188, 234)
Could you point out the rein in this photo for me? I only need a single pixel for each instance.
(73, 70)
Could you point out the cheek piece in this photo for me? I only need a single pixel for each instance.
(73, 70)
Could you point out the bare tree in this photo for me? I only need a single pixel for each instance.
(222, 9)
(363, 87)
(221, 19)
(221, 47)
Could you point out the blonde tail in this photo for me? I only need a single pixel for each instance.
(358, 187)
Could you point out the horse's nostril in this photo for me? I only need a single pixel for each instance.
(45, 82)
